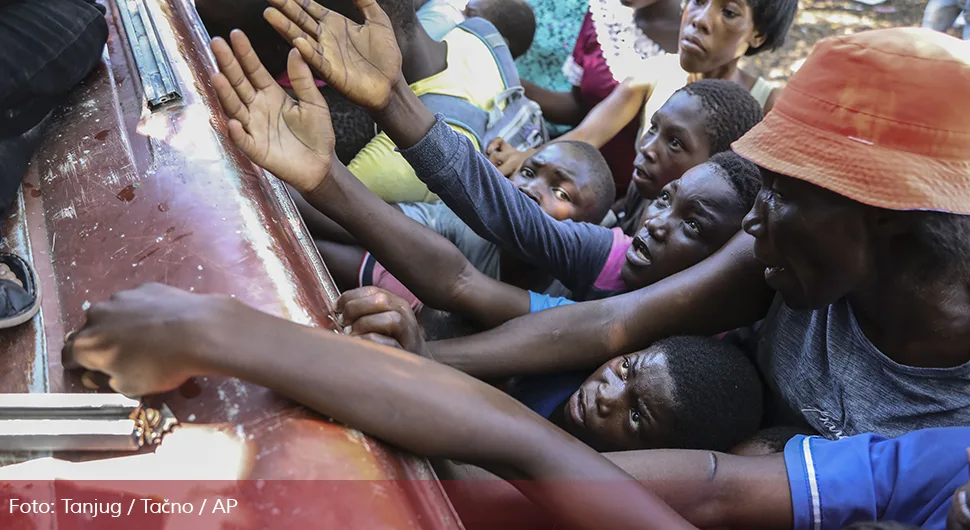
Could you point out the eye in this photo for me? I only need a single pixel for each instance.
(731, 13)
(624, 367)
(528, 173)
(664, 197)
(693, 226)
(635, 418)
(676, 144)
(561, 194)
(652, 129)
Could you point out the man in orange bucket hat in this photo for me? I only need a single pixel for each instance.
(871, 332)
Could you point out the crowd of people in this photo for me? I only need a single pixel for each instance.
(712, 302)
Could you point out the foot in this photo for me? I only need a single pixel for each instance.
(19, 292)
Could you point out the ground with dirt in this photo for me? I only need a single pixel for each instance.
(818, 19)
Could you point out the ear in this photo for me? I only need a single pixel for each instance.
(757, 40)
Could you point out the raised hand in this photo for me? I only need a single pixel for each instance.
(382, 317)
(506, 158)
(293, 139)
(362, 62)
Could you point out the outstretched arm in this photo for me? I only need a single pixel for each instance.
(152, 339)
(611, 115)
(299, 149)
(723, 292)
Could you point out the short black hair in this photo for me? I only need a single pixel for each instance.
(773, 19)
(717, 391)
(401, 13)
(731, 110)
(514, 19)
(742, 174)
(600, 179)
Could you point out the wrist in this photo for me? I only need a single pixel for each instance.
(210, 332)
(396, 99)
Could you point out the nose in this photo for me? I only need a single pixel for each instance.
(658, 225)
(532, 188)
(608, 396)
(753, 223)
(649, 149)
(701, 21)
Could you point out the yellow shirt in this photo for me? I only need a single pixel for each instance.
(472, 75)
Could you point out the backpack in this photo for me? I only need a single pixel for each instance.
(513, 117)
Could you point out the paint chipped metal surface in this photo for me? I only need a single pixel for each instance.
(120, 195)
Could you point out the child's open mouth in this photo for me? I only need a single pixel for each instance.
(639, 254)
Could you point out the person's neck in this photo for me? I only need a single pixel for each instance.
(424, 57)
(729, 72)
(923, 324)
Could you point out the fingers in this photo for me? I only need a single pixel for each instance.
(310, 51)
(257, 74)
(494, 145)
(302, 79)
(297, 14)
(243, 140)
(229, 99)
(389, 323)
(229, 66)
(282, 24)
(372, 12)
(382, 340)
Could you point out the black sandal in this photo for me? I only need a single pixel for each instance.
(18, 304)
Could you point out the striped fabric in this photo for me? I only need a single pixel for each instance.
(46, 47)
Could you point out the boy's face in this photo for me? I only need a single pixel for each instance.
(675, 142)
(627, 404)
(556, 180)
(715, 32)
(692, 218)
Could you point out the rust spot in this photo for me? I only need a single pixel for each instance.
(163, 207)
(170, 230)
(35, 192)
(183, 236)
(102, 135)
(127, 194)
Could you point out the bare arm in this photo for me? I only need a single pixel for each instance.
(708, 489)
(558, 107)
(614, 113)
(428, 264)
(725, 291)
(152, 339)
(319, 225)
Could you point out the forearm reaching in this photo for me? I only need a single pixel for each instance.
(558, 107)
(723, 292)
(429, 265)
(612, 114)
(152, 339)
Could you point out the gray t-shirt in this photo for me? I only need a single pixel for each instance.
(824, 372)
(483, 255)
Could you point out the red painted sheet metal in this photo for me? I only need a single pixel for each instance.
(118, 196)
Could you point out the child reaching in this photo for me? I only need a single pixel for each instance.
(568, 180)
(152, 339)
(592, 261)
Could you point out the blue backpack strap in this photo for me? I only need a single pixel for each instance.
(496, 44)
(460, 113)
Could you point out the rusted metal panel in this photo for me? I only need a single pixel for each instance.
(118, 196)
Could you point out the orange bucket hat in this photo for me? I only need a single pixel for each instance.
(881, 117)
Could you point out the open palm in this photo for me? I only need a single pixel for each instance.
(362, 62)
(293, 139)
